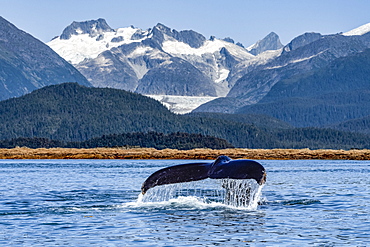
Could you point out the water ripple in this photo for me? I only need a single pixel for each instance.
(94, 203)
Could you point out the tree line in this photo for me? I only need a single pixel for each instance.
(181, 141)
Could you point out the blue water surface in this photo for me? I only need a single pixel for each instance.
(94, 203)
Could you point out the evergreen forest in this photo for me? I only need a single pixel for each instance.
(77, 116)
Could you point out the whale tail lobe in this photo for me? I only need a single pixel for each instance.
(177, 174)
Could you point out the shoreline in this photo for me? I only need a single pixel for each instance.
(196, 154)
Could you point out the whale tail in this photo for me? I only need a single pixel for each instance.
(223, 167)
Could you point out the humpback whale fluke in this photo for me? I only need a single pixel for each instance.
(223, 167)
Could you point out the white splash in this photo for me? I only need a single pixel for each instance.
(233, 193)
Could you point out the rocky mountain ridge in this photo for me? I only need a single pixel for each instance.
(138, 60)
(304, 56)
(164, 63)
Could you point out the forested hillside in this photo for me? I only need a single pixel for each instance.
(262, 121)
(360, 125)
(73, 113)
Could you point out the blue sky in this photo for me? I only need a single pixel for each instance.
(245, 21)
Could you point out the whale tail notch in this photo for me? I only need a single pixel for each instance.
(223, 167)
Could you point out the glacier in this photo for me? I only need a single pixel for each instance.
(181, 104)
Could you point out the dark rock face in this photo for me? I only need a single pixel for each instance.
(28, 64)
(176, 77)
(192, 38)
(302, 40)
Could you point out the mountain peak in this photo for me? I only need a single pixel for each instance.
(162, 27)
(302, 40)
(190, 37)
(92, 27)
(270, 42)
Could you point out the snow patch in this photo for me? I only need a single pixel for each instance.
(249, 48)
(238, 51)
(222, 75)
(141, 51)
(177, 47)
(296, 61)
(83, 46)
(269, 54)
(181, 104)
(210, 46)
(358, 31)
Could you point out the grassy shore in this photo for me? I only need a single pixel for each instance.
(204, 154)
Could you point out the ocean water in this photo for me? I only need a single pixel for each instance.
(97, 203)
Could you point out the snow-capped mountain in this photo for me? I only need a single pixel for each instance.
(164, 62)
(159, 60)
(86, 40)
(303, 56)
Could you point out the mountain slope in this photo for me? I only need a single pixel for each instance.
(27, 64)
(162, 61)
(303, 55)
(333, 94)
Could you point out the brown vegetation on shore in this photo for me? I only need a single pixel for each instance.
(204, 154)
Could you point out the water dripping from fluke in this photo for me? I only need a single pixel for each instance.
(242, 193)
